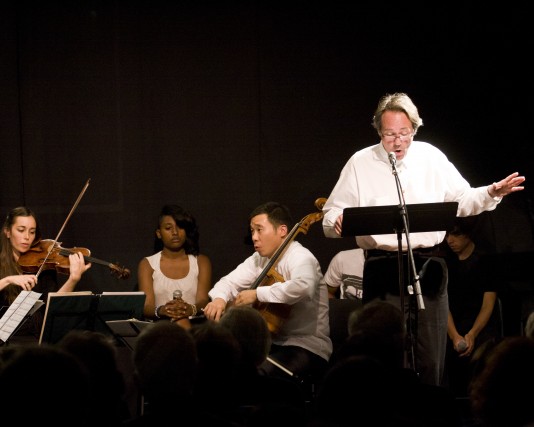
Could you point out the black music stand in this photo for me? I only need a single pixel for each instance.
(87, 311)
(127, 331)
(421, 217)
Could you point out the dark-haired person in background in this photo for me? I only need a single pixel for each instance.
(472, 290)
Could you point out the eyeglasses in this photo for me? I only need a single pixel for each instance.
(403, 135)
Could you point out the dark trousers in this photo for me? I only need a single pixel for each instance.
(427, 328)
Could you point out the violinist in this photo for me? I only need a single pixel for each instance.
(20, 233)
(302, 346)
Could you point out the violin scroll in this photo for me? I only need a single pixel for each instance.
(119, 271)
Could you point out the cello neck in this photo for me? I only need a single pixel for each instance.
(276, 257)
(302, 226)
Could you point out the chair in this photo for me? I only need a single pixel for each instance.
(339, 312)
(499, 320)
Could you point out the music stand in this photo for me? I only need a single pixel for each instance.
(64, 312)
(421, 217)
(87, 311)
(127, 331)
(118, 306)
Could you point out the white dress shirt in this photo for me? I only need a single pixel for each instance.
(308, 322)
(426, 176)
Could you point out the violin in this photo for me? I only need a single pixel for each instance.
(44, 256)
(276, 313)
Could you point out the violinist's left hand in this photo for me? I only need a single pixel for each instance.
(248, 296)
(77, 265)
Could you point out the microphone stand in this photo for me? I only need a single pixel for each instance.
(404, 215)
(419, 297)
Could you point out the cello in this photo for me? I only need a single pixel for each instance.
(276, 313)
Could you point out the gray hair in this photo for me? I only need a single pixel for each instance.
(396, 102)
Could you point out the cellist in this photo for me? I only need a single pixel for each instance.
(301, 345)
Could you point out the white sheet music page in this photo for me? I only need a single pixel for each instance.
(16, 313)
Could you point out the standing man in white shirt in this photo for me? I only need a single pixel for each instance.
(426, 176)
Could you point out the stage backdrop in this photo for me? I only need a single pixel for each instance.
(221, 106)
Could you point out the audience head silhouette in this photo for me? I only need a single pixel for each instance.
(502, 392)
(165, 361)
(251, 331)
(64, 384)
(378, 330)
(97, 352)
(368, 370)
(355, 391)
(218, 355)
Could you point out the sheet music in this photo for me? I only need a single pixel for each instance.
(26, 303)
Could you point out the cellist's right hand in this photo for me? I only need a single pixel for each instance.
(215, 309)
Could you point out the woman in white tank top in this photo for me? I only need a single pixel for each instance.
(177, 265)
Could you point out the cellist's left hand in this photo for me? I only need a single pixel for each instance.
(248, 296)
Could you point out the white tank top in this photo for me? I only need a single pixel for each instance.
(164, 286)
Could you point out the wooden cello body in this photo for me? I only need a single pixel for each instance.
(276, 313)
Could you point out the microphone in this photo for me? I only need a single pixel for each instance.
(461, 346)
(177, 294)
(392, 158)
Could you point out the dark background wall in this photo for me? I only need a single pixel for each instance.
(220, 106)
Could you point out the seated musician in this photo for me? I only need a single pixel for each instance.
(20, 233)
(301, 345)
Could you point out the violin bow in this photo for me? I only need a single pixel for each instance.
(63, 226)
